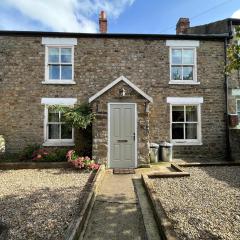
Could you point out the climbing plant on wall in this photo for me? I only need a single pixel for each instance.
(79, 116)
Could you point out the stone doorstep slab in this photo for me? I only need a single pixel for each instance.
(179, 172)
(78, 225)
(164, 224)
(123, 171)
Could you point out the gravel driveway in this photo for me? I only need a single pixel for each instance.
(39, 204)
(205, 205)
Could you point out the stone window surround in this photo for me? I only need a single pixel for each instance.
(58, 43)
(183, 44)
(56, 101)
(180, 101)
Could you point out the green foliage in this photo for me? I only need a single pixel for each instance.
(56, 155)
(28, 151)
(49, 155)
(79, 116)
(233, 54)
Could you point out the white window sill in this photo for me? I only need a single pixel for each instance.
(63, 82)
(187, 82)
(186, 143)
(57, 144)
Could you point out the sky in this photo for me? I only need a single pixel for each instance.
(124, 16)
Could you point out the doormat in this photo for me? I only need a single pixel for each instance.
(123, 171)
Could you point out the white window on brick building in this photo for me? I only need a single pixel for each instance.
(56, 131)
(185, 121)
(183, 64)
(59, 60)
(60, 63)
(183, 61)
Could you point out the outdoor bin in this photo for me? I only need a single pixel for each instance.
(154, 152)
(166, 150)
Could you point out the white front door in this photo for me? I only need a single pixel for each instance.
(122, 135)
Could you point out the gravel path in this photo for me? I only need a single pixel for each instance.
(205, 205)
(39, 204)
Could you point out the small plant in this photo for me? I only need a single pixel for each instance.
(28, 152)
(49, 155)
(81, 162)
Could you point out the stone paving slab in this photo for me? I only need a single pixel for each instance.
(117, 188)
(116, 214)
(115, 221)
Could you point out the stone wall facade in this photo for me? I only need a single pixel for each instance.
(98, 62)
(100, 125)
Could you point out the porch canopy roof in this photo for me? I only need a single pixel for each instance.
(124, 79)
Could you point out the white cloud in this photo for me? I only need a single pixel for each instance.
(66, 15)
(236, 14)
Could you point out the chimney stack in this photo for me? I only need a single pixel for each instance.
(182, 25)
(102, 22)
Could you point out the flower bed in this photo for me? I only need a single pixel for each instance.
(40, 204)
(81, 162)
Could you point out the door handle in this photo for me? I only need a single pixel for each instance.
(122, 140)
(134, 136)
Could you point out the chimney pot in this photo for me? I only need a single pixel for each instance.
(102, 22)
(182, 25)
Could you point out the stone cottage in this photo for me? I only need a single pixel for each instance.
(143, 88)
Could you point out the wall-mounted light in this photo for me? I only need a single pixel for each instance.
(122, 92)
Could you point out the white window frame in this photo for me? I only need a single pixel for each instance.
(56, 101)
(180, 142)
(60, 43)
(194, 81)
(60, 81)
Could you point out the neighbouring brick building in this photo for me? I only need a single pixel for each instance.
(143, 88)
(226, 26)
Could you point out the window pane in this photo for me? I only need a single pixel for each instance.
(177, 131)
(53, 116)
(176, 56)
(54, 72)
(176, 73)
(191, 130)
(191, 113)
(66, 131)
(53, 55)
(187, 73)
(66, 72)
(66, 55)
(53, 131)
(177, 113)
(188, 56)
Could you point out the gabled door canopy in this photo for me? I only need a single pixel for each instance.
(122, 78)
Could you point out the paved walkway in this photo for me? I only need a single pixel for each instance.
(116, 214)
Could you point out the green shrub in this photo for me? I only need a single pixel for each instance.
(27, 153)
(50, 155)
(56, 155)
